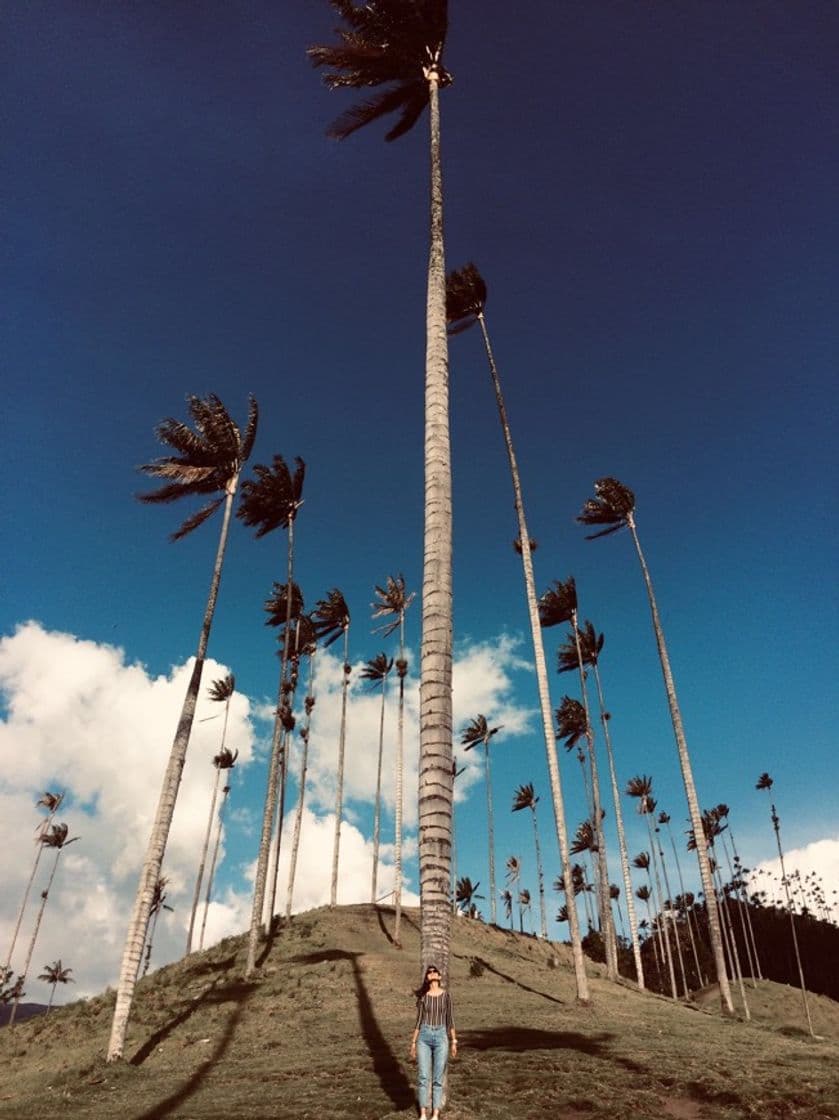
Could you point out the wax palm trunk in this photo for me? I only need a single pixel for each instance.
(153, 862)
(731, 942)
(276, 774)
(604, 905)
(540, 875)
(225, 794)
(377, 811)
(673, 923)
(339, 793)
(624, 854)
(541, 682)
(401, 669)
(301, 793)
(42, 830)
(690, 916)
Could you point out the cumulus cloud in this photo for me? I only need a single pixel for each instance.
(79, 717)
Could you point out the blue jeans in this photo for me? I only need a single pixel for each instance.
(432, 1055)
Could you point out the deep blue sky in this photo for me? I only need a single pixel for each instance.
(650, 193)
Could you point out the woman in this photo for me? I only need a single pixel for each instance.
(430, 1044)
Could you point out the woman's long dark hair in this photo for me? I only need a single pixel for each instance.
(421, 991)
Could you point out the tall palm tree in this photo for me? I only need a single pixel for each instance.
(51, 802)
(305, 645)
(614, 506)
(574, 726)
(525, 798)
(158, 905)
(206, 460)
(738, 872)
(735, 886)
(507, 899)
(220, 691)
(272, 501)
(765, 782)
(524, 905)
(54, 974)
(225, 760)
(392, 601)
(586, 646)
(466, 294)
(56, 839)
(331, 618)
(399, 43)
(478, 731)
(456, 772)
(644, 894)
(377, 670)
(682, 900)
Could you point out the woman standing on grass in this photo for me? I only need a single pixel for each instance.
(430, 1043)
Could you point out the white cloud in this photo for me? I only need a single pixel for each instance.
(78, 717)
(817, 865)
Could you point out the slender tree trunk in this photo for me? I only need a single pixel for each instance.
(225, 793)
(42, 830)
(689, 784)
(776, 824)
(150, 873)
(754, 959)
(491, 836)
(304, 769)
(339, 795)
(624, 857)
(689, 914)
(435, 766)
(728, 933)
(655, 882)
(540, 874)
(52, 997)
(673, 923)
(150, 941)
(200, 877)
(542, 686)
(741, 918)
(401, 669)
(377, 812)
(33, 939)
(604, 904)
(274, 772)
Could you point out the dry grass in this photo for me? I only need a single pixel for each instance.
(323, 1033)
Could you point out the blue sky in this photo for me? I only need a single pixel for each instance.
(649, 192)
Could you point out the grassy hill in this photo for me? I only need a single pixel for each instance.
(324, 1030)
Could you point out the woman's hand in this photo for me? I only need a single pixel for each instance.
(454, 1047)
(413, 1051)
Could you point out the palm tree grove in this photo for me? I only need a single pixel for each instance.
(514, 706)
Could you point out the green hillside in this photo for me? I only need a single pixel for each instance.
(324, 1032)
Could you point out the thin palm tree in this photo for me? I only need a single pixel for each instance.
(574, 726)
(738, 873)
(614, 506)
(331, 618)
(525, 798)
(456, 772)
(765, 782)
(399, 43)
(507, 900)
(56, 839)
(206, 460)
(158, 905)
(377, 670)
(220, 691)
(305, 645)
(524, 906)
(478, 731)
(466, 295)
(51, 802)
(643, 893)
(392, 601)
(272, 501)
(586, 645)
(54, 974)
(682, 900)
(225, 760)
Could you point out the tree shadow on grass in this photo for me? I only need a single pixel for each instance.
(487, 967)
(385, 1063)
(519, 1040)
(236, 991)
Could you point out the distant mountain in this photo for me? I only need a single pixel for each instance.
(24, 1011)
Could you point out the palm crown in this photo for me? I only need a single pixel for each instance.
(377, 668)
(559, 603)
(466, 296)
(272, 499)
(56, 973)
(591, 643)
(223, 688)
(612, 505)
(276, 606)
(571, 721)
(392, 600)
(524, 798)
(206, 460)
(764, 781)
(397, 43)
(331, 617)
(478, 731)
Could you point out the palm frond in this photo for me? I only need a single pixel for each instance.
(524, 798)
(331, 617)
(572, 724)
(276, 606)
(466, 295)
(612, 505)
(222, 689)
(197, 519)
(478, 731)
(272, 500)
(393, 601)
(559, 603)
(377, 668)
